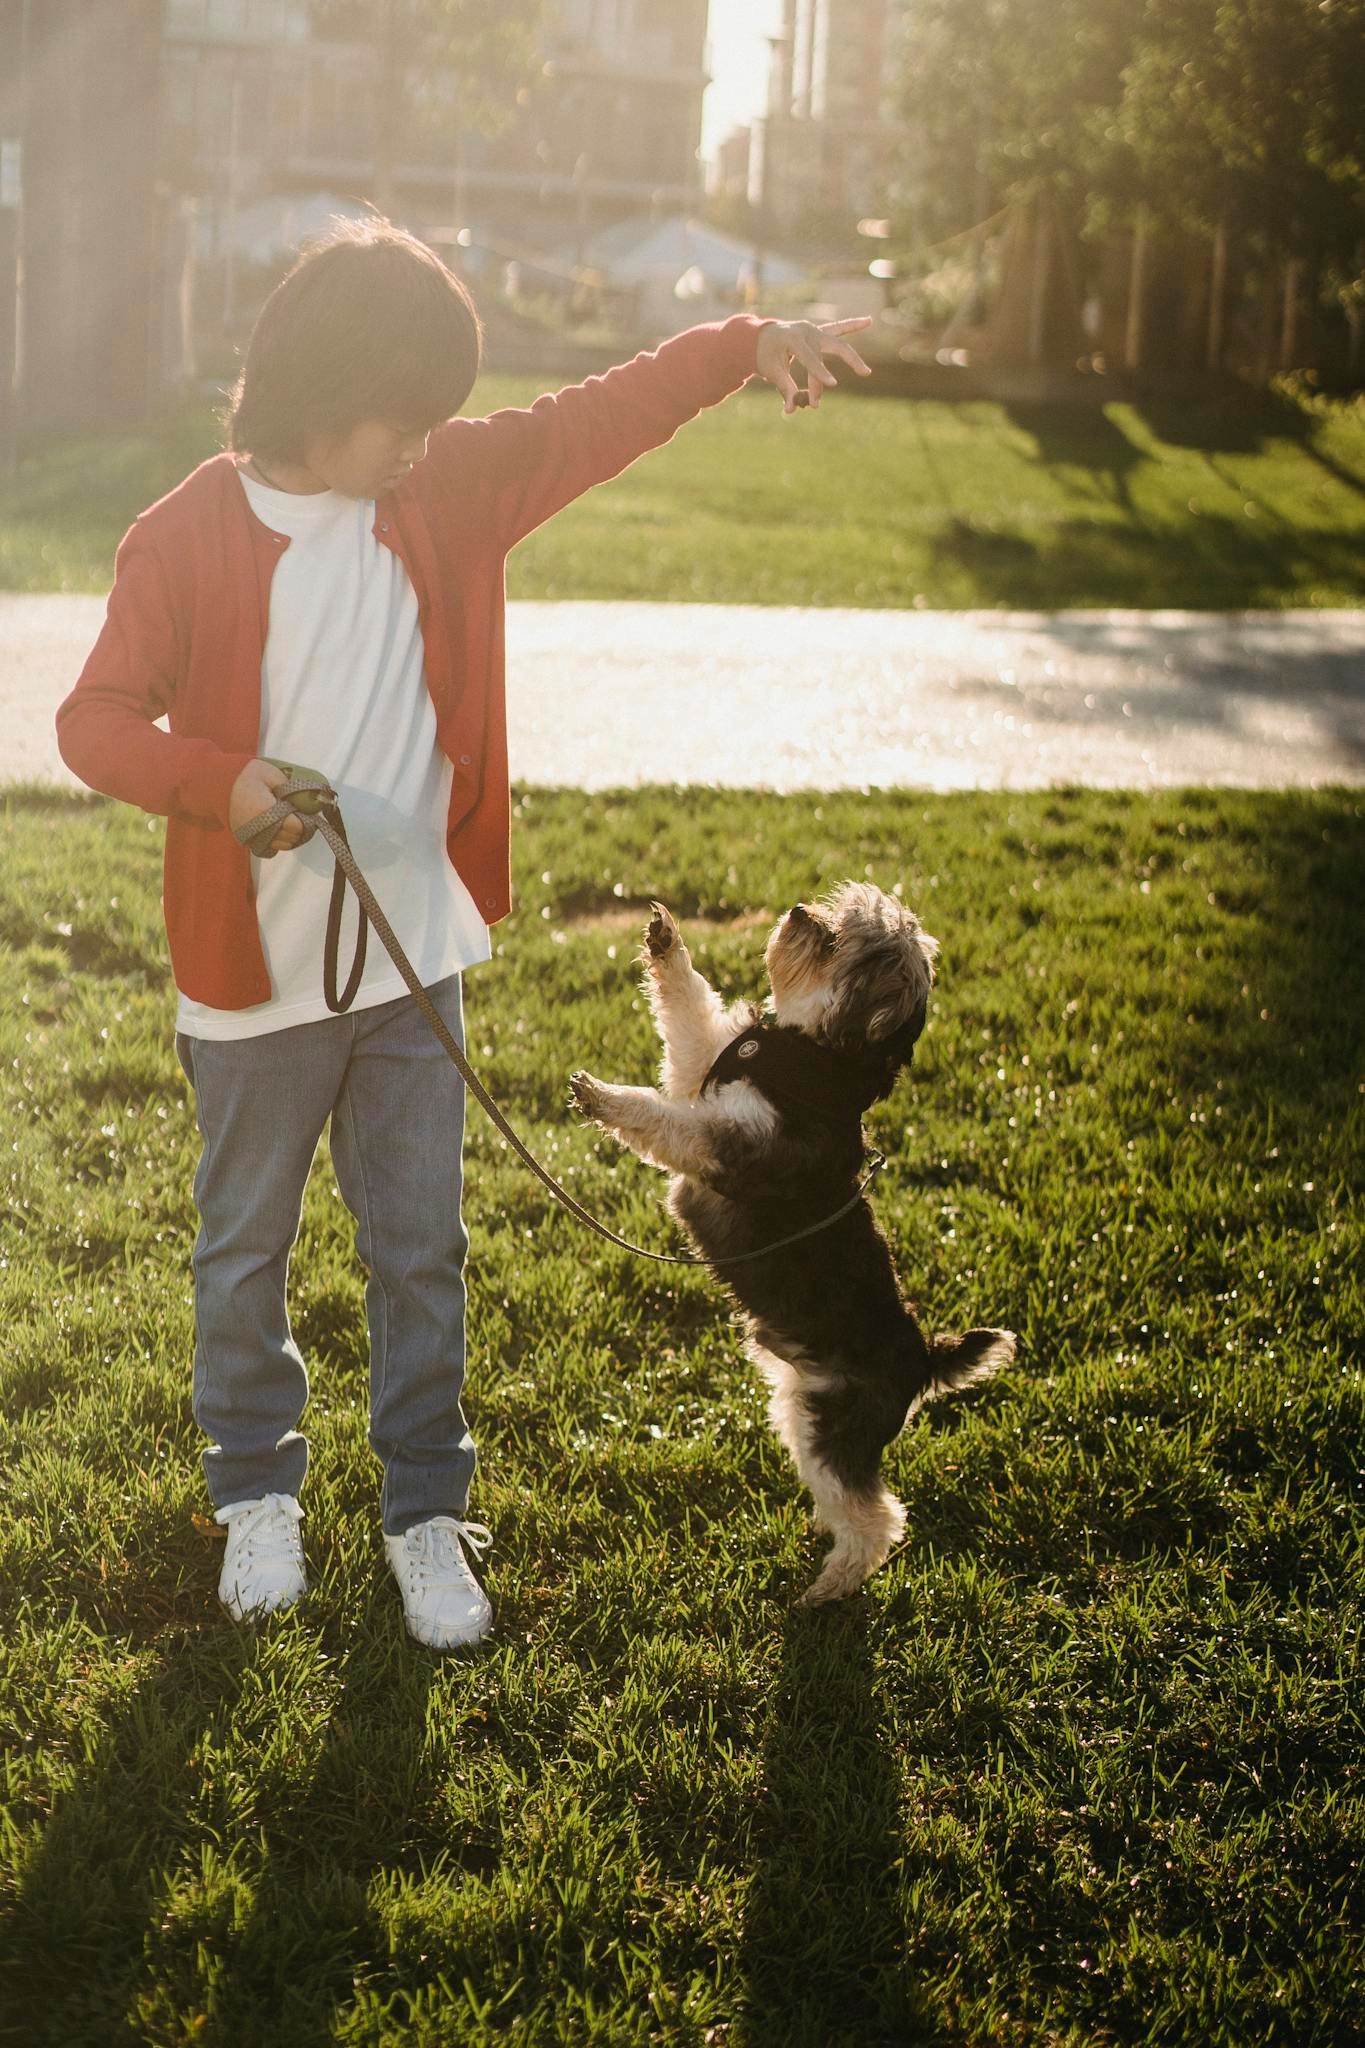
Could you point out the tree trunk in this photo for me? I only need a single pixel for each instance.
(1137, 291)
(1289, 312)
(1042, 252)
(1218, 279)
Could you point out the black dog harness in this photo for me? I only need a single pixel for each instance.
(796, 1071)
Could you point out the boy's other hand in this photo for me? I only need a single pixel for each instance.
(784, 343)
(255, 792)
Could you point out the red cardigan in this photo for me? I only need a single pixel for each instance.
(186, 627)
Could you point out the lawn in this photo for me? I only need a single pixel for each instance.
(875, 501)
(1082, 1765)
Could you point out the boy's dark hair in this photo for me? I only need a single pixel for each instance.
(369, 324)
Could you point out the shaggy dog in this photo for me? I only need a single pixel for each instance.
(759, 1117)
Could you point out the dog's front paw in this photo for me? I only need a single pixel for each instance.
(585, 1094)
(661, 933)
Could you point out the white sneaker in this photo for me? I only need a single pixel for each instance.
(263, 1568)
(442, 1600)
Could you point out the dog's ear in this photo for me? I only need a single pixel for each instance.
(896, 1050)
(883, 971)
(900, 1044)
(896, 1016)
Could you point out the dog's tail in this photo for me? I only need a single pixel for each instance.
(956, 1362)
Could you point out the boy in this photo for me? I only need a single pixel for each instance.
(329, 590)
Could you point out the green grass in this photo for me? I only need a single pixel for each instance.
(877, 501)
(1081, 1765)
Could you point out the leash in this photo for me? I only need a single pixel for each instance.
(310, 797)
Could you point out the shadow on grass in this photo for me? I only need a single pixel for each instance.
(1286, 924)
(73, 1936)
(1212, 563)
(1240, 423)
(1082, 438)
(170, 1884)
(1212, 560)
(823, 1943)
(1243, 426)
(295, 1960)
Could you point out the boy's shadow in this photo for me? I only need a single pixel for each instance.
(312, 1924)
(73, 1933)
(149, 1838)
(822, 1955)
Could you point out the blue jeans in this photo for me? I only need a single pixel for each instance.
(396, 1102)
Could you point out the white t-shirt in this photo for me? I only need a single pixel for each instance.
(343, 691)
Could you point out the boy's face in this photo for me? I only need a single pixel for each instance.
(369, 460)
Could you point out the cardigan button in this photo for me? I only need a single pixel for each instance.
(466, 760)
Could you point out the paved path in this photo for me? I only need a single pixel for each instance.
(610, 694)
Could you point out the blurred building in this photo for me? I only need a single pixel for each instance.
(620, 109)
(156, 156)
(257, 99)
(823, 151)
(732, 167)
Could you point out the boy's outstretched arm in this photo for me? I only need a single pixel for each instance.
(516, 468)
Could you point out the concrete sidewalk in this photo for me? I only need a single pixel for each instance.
(602, 695)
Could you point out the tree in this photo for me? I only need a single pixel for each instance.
(999, 98)
(1242, 119)
(1223, 117)
(491, 50)
(1247, 112)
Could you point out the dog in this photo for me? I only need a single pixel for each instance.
(758, 1116)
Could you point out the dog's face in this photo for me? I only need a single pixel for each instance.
(853, 969)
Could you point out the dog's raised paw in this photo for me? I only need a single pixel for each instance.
(661, 933)
(583, 1092)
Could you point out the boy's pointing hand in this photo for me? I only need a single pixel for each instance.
(784, 343)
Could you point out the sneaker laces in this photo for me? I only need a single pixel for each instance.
(272, 1519)
(433, 1549)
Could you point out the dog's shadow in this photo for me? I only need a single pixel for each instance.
(822, 1953)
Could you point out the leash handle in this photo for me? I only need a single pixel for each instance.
(306, 796)
(326, 818)
(309, 792)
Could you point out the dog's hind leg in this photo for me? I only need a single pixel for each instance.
(836, 1430)
(693, 1023)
